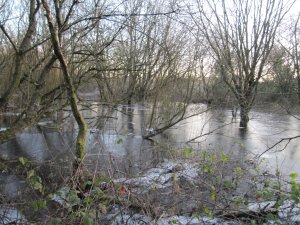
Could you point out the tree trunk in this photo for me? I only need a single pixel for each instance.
(298, 81)
(244, 116)
(20, 53)
(16, 77)
(81, 136)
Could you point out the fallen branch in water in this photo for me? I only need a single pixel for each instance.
(171, 123)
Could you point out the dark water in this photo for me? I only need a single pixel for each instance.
(115, 142)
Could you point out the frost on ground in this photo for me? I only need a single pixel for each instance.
(182, 193)
(287, 211)
(117, 217)
(288, 214)
(174, 192)
(171, 193)
(161, 176)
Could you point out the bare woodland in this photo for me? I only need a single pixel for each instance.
(57, 54)
(137, 51)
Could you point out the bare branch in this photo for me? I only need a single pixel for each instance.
(208, 133)
(288, 140)
(8, 37)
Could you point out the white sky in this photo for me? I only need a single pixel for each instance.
(296, 8)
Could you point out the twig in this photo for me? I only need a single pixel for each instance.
(208, 133)
(9, 38)
(289, 139)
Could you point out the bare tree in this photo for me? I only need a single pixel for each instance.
(241, 35)
(144, 49)
(281, 70)
(20, 51)
(25, 71)
(56, 36)
(296, 51)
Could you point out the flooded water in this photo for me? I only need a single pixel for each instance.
(212, 130)
(115, 143)
(116, 147)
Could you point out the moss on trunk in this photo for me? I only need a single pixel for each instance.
(72, 97)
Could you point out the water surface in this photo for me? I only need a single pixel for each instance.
(115, 140)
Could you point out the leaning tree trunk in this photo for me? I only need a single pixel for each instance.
(81, 136)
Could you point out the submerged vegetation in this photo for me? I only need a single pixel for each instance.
(67, 67)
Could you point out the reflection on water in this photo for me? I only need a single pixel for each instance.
(218, 131)
(115, 142)
(263, 131)
(38, 144)
(125, 155)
